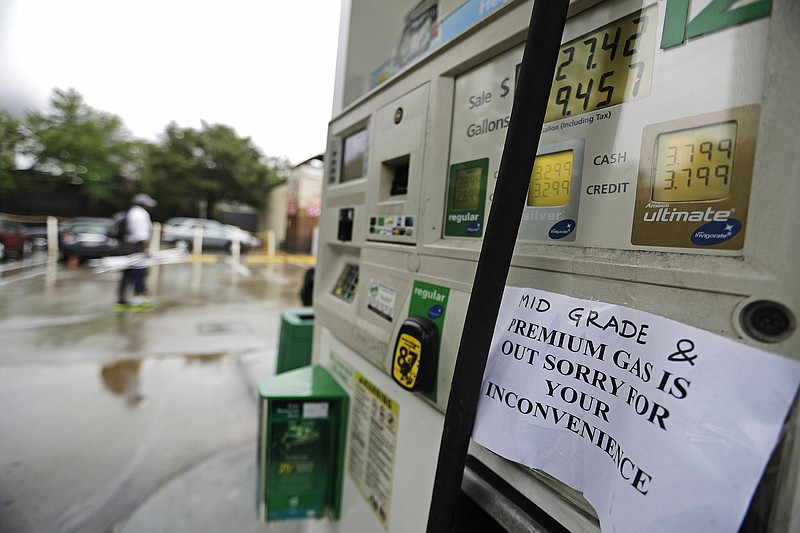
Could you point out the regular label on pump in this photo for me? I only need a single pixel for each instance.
(466, 199)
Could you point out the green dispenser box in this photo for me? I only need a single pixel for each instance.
(301, 438)
(294, 344)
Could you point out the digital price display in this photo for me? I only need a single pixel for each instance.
(554, 193)
(467, 188)
(605, 67)
(694, 181)
(694, 164)
(551, 179)
(466, 199)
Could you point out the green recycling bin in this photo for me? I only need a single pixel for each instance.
(301, 436)
(297, 333)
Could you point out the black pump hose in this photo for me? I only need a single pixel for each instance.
(519, 152)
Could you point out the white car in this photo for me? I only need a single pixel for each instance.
(216, 235)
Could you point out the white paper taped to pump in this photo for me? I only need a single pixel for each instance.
(662, 426)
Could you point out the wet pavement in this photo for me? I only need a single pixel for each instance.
(108, 419)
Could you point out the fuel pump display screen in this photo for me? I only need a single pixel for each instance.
(650, 130)
(554, 193)
(354, 157)
(695, 175)
(467, 188)
(605, 67)
(466, 198)
(551, 179)
(694, 164)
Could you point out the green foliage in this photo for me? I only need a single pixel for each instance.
(78, 145)
(11, 138)
(79, 151)
(191, 167)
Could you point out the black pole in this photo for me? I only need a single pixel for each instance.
(519, 152)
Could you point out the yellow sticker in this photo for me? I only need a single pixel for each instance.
(406, 360)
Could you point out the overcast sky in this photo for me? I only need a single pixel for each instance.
(263, 67)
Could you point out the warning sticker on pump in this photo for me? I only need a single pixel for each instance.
(373, 445)
(662, 426)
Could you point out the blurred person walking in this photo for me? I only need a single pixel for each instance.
(136, 238)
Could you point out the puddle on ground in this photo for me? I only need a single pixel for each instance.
(204, 358)
(122, 378)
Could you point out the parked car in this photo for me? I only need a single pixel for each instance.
(14, 238)
(215, 234)
(38, 233)
(88, 240)
(38, 236)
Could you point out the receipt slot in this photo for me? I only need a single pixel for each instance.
(302, 422)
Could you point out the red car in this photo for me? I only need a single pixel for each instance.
(14, 238)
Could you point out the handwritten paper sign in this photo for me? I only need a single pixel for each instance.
(662, 426)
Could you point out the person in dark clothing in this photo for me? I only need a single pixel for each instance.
(138, 228)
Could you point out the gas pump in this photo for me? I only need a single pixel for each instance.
(661, 192)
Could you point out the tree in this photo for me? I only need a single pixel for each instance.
(78, 145)
(11, 138)
(191, 167)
